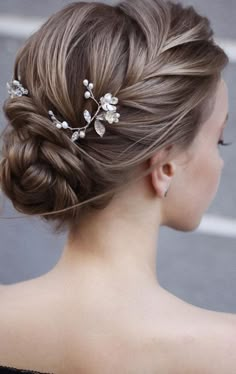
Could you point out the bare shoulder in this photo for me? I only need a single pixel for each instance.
(29, 328)
(168, 337)
(212, 347)
(200, 341)
(165, 336)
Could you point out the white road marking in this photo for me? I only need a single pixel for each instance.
(229, 46)
(19, 27)
(218, 226)
(22, 27)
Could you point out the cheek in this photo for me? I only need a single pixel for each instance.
(193, 190)
(210, 174)
(202, 180)
(215, 167)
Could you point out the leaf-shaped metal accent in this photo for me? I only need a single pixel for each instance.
(75, 136)
(87, 116)
(99, 128)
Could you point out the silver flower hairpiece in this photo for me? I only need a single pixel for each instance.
(15, 88)
(109, 114)
(106, 102)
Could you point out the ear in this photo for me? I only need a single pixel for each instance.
(163, 173)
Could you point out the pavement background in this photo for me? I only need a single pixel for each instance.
(199, 268)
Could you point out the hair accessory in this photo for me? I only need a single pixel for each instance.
(107, 103)
(109, 114)
(15, 88)
(166, 193)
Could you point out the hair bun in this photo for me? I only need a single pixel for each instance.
(39, 173)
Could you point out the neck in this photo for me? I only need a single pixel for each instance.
(120, 241)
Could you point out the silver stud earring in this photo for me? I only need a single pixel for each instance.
(166, 192)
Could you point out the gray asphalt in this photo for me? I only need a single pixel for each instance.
(199, 268)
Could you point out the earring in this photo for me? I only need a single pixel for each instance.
(166, 192)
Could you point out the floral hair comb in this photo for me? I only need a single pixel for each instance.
(106, 102)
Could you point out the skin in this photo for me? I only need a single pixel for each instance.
(105, 283)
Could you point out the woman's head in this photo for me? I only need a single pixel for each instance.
(157, 57)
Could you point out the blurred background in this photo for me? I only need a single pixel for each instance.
(200, 266)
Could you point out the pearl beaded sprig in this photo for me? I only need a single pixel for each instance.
(65, 126)
(106, 103)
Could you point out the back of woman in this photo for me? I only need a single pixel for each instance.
(115, 114)
(49, 329)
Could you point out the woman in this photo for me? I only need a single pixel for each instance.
(145, 156)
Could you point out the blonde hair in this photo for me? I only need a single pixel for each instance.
(159, 58)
